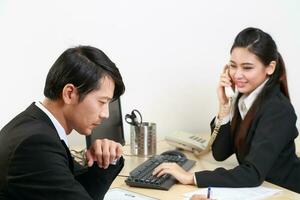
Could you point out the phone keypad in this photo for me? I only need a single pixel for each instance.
(198, 139)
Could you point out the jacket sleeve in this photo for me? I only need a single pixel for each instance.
(97, 180)
(274, 131)
(39, 169)
(222, 147)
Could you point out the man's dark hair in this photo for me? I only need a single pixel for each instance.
(82, 66)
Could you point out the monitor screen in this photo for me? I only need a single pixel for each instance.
(111, 128)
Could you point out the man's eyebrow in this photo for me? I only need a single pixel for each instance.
(106, 98)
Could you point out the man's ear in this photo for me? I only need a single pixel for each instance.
(271, 67)
(69, 94)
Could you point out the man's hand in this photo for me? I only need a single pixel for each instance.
(103, 151)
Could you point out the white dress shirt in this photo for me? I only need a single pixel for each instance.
(60, 130)
(244, 104)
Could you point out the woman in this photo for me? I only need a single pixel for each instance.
(262, 129)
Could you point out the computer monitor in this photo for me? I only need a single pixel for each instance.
(111, 128)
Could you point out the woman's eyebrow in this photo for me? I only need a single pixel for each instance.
(245, 63)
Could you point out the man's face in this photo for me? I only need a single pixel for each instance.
(93, 109)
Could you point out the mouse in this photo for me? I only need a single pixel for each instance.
(174, 153)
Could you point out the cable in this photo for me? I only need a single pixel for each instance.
(79, 156)
(224, 109)
(123, 176)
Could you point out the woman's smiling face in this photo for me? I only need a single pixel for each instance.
(247, 71)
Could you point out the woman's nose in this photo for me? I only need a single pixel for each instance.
(238, 74)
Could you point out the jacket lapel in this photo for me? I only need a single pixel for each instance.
(37, 113)
(70, 158)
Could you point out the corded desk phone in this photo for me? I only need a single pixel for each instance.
(187, 141)
(194, 142)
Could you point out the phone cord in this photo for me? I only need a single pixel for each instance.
(224, 109)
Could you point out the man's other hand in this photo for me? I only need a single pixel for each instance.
(104, 152)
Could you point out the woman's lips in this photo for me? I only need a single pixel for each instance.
(240, 84)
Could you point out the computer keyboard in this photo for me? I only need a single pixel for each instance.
(142, 176)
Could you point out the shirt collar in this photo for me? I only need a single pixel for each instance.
(60, 130)
(249, 100)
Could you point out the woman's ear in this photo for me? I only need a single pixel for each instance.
(69, 94)
(271, 68)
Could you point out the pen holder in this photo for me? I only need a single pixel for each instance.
(143, 139)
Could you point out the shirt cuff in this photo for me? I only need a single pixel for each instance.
(114, 162)
(195, 180)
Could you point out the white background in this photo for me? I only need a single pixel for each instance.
(169, 52)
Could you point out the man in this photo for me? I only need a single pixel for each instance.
(35, 161)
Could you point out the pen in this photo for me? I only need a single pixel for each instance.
(208, 193)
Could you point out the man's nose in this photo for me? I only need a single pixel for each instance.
(105, 111)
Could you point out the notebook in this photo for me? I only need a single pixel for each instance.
(222, 193)
(121, 194)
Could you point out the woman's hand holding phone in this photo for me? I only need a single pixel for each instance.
(225, 86)
(225, 90)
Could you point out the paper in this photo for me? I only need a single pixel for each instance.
(121, 194)
(253, 193)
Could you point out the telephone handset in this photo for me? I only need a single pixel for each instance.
(229, 92)
(195, 143)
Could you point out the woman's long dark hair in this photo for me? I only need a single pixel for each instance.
(263, 46)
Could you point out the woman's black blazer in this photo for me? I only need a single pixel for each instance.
(271, 155)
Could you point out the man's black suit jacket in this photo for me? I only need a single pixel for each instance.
(36, 164)
(271, 154)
